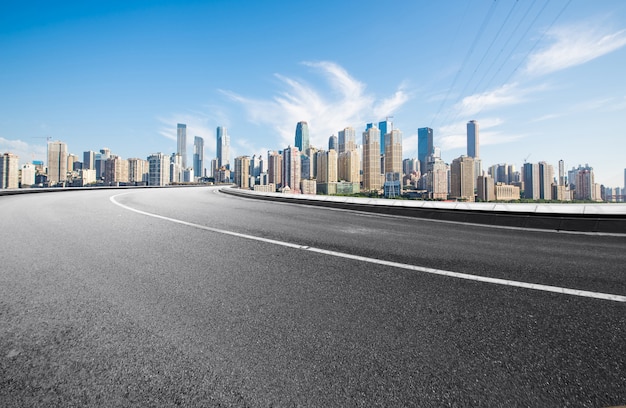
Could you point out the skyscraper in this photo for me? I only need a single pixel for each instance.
(346, 140)
(333, 143)
(546, 176)
(89, 160)
(57, 162)
(9, 171)
(327, 166)
(291, 169)
(561, 173)
(198, 157)
(223, 148)
(385, 127)
(115, 171)
(181, 143)
(242, 172)
(425, 146)
(302, 136)
(274, 168)
(371, 159)
(158, 169)
(462, 178)
(137, 171)
(393, 151)
(473, 149)
(531, 181)
(436, 177)
(585, 183)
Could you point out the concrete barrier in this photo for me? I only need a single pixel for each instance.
(591, 218)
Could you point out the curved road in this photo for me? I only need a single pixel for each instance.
(190, 297)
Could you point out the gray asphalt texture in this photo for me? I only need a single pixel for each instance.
(101, 306)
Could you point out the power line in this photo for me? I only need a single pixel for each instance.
(536, 43)
(539, 40)
(506, 43)
(467, 56)
(483, 58)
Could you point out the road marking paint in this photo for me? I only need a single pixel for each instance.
(458, 275)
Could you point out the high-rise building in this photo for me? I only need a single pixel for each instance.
(181, 143)
(311, 153)
(223, 148)
(242, 172)
(585, 184)
(198, 157)
(349, 166)
(333, 143)
(115, 171)
(158, 169)
(27, 178)
(410, 166)
(274, 168)
(305, 167)
(462, 178)
(346, 140)
(473, 148)
(256, 166)
(9, 171)
(424, 146)
(89, 160)
(327, 167)
(72, 161)
(57, 162)
(371, 160)
(291, 169)
(138, 171)
(486, 188)
(561, 181)
(393, 151)
(100, 161)
(531, 181)
(385, 126)
(436, 177)
(302, 137)
(176, 168)
(546, 176)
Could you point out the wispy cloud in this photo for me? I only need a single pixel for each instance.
(574, 45)
(600, 104)
(26, 151)
(198, 124)
(346, 103)
(455, 136)
(506, 95)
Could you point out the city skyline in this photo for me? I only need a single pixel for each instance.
(543, 80)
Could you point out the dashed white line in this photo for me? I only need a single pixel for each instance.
(458, 275)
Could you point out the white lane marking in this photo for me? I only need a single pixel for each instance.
(458, 275)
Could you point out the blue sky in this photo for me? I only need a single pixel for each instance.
(545, 80)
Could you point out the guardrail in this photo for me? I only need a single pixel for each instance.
(596, 218)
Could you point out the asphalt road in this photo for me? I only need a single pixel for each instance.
(205, 299)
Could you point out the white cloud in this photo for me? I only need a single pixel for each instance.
(197, 123)
(455, 136)
(25, 151)
(346, 104)
(507, 94)
(574, 45)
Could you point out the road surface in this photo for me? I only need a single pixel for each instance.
(190, 297)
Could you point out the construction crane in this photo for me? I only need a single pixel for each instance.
(526, 158)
